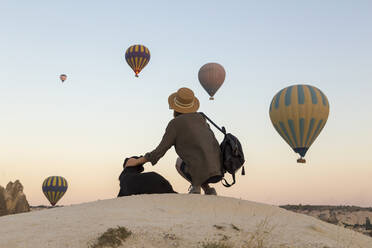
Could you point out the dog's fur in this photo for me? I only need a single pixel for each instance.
(134, 182)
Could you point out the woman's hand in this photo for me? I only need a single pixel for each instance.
(135, 162)
(131, 162)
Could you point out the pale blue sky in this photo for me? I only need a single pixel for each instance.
(84, 128)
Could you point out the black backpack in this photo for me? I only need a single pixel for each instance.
(231, 152)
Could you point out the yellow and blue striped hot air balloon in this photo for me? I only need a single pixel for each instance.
(299, 113)
(137, 57)
(54, 188)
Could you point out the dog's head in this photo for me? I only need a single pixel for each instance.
(133, 169)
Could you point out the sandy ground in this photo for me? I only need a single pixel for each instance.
(175, 221)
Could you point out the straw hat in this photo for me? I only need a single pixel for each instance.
(183, 101)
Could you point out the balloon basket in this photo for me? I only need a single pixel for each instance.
(301, 161)
(136, 75)
(211, 98)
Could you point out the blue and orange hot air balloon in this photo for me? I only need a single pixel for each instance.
(137, 57)
(299, 113)
(54, 188)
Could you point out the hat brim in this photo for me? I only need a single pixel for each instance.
(183, 110)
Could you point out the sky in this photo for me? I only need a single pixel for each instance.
(85, 128)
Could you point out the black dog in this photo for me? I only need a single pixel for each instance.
(133, 182)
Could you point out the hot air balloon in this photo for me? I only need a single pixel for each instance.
(299, 113)
(211, 77)
(63, 77)
(54, 188)
(137, 57)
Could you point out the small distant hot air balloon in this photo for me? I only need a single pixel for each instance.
(63, 77)
(54, 188)
(299, 113)
(211, 77)
(137, 57)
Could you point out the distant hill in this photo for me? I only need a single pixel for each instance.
(42, 207)
(352, 217)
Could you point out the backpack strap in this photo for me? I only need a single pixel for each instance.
(222, 130)
(226, 184)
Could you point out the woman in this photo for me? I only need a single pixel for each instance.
(199, 154)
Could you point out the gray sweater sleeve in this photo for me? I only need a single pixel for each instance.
(168, 140)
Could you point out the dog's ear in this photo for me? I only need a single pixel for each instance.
(125, 162)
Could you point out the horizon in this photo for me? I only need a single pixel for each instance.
(84, 128)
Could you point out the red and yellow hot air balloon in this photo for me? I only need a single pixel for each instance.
(137, 57)
(63, 77)
(211, 77)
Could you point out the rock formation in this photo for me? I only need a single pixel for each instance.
(3, 209)
(12, 199)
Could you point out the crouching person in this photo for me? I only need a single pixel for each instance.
(199, 153)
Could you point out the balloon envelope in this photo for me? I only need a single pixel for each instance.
(299, 113)
(137, 57)
(54, 188)
(211, 77)
(63, 77)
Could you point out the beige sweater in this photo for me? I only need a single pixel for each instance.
(195, 144)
